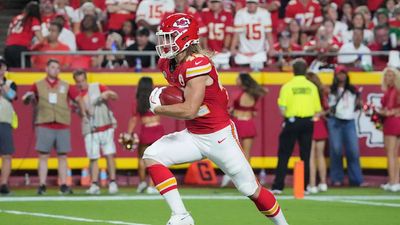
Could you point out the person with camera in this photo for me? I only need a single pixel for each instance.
(299, 102)
(344, 100)
(8, 93)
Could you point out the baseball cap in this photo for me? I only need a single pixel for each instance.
(340, 69)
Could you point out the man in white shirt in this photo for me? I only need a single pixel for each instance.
(252, 36)
(361, 57)
(66, 36)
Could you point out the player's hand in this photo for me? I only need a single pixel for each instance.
(154, 98)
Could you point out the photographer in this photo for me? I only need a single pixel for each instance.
(343, 101)
(8, 93)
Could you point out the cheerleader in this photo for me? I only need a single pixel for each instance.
(320, 135)
(243, 113)
(150, 131)
(391, 125)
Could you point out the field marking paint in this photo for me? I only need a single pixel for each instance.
(14, 212)
(187, 197)
(358, 200)
(371, 203)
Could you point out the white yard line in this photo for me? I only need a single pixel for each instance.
(187, 197)
(45, 215)
(371, 203)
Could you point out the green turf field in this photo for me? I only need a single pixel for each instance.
(366, 206)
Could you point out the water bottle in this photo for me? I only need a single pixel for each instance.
(138, 67)
(262, 177)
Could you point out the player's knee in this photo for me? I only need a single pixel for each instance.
(248, 189)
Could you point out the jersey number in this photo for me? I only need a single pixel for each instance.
(17, 27)
(253, 31)
(155, 11)
(216, 31)
(305, 19)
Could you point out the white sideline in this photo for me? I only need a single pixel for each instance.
(67, 217)
(188, 197)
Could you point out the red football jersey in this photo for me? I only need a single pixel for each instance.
(192, 11)
(213, 114)
(22, 34)
(306, 15)
(219, 25)
(96, 41)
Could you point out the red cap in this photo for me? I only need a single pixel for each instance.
(340, 68)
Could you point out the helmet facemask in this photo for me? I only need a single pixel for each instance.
(166, 44)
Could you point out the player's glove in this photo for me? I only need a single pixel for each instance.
(128, 141)
(154, 98)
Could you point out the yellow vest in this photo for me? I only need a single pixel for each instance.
(53, 103)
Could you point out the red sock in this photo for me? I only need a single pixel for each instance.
(266, 203)
(162, 177)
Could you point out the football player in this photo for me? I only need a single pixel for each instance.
(209, 131)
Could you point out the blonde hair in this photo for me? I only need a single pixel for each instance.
(396, 81)
(194, 49)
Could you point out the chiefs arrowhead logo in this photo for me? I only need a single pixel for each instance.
(181, 23)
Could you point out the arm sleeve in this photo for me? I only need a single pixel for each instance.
(199, 66)
(283, 96)
(239, 23)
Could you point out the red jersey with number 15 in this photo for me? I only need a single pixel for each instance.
(213, 114)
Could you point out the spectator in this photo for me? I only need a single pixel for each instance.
(62, 8)
(142, 44)
(120, 11)
(361, 57)
(48, 13)
(243, 112)
(199, 5)
(390, 5)
(100, 4)
(299, 102)
(358, 22)
(66, 36)
(182, 6)
(320, 135)
(51, 43)
(347, 13)
(113, 43)
(98, 131)
(344, 100)
(53, 118)
(220, 30)
(273, 7)
(8, 93)
(364, 11)
(297, 36)
(394, 24)
(88, 8)
(340, 28)
(391, 126)
(381, 17)
(128, 33)
(382, 43)
(150, 13)
(284, 45)
(307, 12)
(20, 33)
(323, 43)
(90, 38)
(253, 29)
(150, 130)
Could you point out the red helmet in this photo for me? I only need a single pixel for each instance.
(177, 32)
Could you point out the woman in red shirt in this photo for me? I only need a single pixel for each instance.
(391, 126)
(20, 33)
(150, 131)
(243, 113)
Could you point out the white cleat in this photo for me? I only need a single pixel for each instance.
(141, 187)
(312, 190)
(113, 188)
(323, 187)
(225, 181)
(181, 219)
(276, 192)
(151, 190)
(93, 190)
(394, 188)
(386, 186)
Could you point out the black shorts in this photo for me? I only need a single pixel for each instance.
(6, 139)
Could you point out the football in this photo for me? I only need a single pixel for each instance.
(171, 95)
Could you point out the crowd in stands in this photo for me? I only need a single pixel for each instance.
(239, 32)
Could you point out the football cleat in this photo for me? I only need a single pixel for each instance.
(181, 219)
